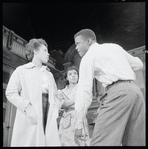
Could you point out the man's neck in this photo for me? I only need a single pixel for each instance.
(92, 42)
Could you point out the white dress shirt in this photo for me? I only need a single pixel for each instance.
(107, 63)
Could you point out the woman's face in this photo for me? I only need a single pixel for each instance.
(42, 54)
(72, 76)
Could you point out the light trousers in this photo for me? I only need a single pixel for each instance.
(121, 119)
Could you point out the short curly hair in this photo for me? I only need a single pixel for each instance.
(32, 45)
(68, 69)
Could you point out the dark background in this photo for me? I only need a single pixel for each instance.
(57, 22)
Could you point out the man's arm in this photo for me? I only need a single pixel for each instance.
(135, 62)
(84, 90)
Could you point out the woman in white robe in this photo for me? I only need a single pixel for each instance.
(25, 88)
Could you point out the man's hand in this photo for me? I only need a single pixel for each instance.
(78, 136)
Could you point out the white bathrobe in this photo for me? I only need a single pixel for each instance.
(23, 87)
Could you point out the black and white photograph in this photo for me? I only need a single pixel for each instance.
(74, 73)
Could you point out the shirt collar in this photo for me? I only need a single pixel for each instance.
(31, 65)
(93, 44)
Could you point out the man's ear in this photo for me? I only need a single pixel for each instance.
(89, 41)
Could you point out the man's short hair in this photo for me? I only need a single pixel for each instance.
(86, 33)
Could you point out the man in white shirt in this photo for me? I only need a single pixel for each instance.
(121, 119)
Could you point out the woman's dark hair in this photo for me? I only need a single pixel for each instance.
(68, 69)
(32, 45)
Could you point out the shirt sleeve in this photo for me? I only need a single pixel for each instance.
(135, 62)
(13, 91)
(84, 90)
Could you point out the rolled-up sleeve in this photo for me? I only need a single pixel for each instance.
(135, 62)
(84, 90)
(13, 91)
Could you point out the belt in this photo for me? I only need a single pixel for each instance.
(119, 81)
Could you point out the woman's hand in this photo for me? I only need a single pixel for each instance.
(59, 95)
(31, 113)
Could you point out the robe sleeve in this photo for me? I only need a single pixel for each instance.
(58, 102)
(13, 91)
